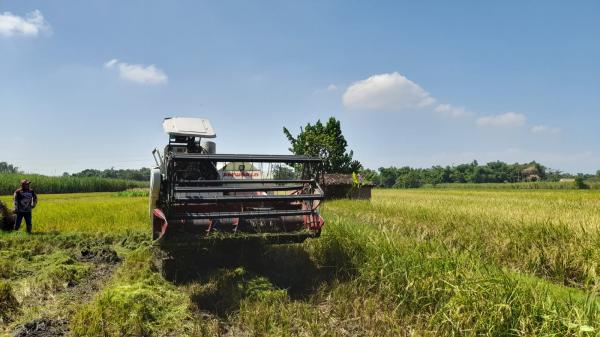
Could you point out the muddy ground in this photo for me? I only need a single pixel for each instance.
(45, 314)
(7, 217)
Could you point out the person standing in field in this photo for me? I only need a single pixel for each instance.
(25, 201)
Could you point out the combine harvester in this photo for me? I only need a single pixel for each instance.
(197, 194)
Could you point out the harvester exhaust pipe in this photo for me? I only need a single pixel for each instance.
(209, 147)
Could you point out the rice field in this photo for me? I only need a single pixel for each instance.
(552, 234)
(105, 213)
(425, 262)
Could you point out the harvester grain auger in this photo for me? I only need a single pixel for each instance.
(196, 193)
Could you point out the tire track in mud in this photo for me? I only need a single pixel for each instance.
(57, 311)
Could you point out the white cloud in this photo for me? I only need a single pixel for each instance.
(110, 63)
(138, 73)
(391, 92)
(395, 92)
(31, 25)
(451, 111)
(509, 119)
(544, 129)
(332, 87)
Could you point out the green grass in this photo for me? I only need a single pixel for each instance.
(134, 192)
(9, 182)
(410, 262)
(138, 302)
(39, 273)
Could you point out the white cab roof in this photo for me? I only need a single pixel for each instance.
(188, 126)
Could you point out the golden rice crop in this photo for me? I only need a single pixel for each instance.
(89, 213)
(552, 234)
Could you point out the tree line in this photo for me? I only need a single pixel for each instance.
(141, 174)
(325, 140)
(493, 172)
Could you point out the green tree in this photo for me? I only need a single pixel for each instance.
(554, 175)
(327, 142)
(370, 176)
(387, 176)
(283, 172)
(409, 179)
(128, 174)
(8, 168)
(580, 182)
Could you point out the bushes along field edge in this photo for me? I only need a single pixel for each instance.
(9, 182)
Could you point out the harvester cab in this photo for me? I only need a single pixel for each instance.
(196, 193)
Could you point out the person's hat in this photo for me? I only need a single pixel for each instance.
(25, 182)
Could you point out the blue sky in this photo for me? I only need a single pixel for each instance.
(87, 84)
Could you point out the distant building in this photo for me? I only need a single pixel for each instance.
(567, 180)
(530, 173)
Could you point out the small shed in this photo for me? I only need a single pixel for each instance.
(342, 186)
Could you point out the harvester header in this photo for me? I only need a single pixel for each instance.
(197, 193)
